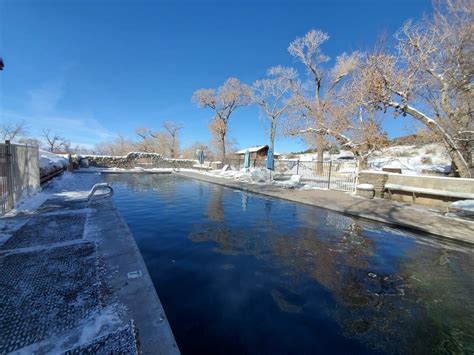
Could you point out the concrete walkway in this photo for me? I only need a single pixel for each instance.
(413, 217)
(73, 281)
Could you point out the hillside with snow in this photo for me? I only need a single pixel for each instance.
(412, 159)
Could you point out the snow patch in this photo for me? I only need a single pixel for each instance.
(465, 205)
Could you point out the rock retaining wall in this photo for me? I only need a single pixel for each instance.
(375, 178)
(136, 159)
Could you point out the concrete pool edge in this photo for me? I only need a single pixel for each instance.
(131, 282)
(379, 210)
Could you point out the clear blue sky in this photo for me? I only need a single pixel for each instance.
(89, 70)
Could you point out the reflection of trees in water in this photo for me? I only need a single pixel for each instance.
(215, 208)
(164, 184)
(442, 281)
(396, 312)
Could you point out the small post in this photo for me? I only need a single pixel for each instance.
(329, 178)
(298, 167)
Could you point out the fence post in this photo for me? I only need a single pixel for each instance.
(329, 178)
(10, 200)
(298, 167)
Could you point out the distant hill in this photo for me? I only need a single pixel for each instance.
(411, 139)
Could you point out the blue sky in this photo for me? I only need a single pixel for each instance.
(90, 70)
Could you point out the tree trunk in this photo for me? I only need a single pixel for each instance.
(363, 162)
(172, 148)
(453, 150)
(223, 148)
(319, 125)
(272, 135)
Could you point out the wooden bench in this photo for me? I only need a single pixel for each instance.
(421, 190)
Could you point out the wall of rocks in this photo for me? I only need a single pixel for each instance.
(135, 159)
(375, 178)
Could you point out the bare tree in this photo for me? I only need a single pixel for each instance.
(153, 142)
(147, 142)
(307, 50)
(340, 113)
(273, 96)
(30, 141)
(190, 151)
(118, 147)
(431, 78)
(54, 142)
(223, 101)
(172, 129)
(11, 130)
(362, 135)
(353, 123)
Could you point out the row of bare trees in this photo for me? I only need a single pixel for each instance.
(18, 131)
(428, 77)
(165, 142)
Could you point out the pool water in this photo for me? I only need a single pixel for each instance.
(242, 273)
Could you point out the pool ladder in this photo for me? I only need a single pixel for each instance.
(100, 187)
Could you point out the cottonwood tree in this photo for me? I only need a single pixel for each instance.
(30, 141)
(11, 130)
(341, 112)
(307, 50)
(172, 130)
(118, 147)
(54, 142)
(150, 142)
(431, 78)
(223, 101)
(190, 152)
(353, 123)
(362, 134)
(273, 96)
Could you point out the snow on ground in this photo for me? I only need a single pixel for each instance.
(257, 176)
(412, 159)
(66, 185)
(465, 205)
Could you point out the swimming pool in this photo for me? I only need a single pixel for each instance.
(243, 273)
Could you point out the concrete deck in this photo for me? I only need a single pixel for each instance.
(73, 281)
(412, 217)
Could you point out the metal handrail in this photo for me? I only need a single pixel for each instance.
(100, 186)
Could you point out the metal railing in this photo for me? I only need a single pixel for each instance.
(19, 173)
(334, 174)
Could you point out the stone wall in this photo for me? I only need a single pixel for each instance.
(375, 178)
(136, 159)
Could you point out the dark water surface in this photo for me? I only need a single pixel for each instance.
(242, 273)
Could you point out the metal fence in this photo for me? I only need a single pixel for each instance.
(19, 173)
(335, 174)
